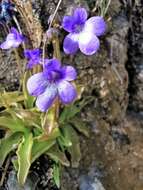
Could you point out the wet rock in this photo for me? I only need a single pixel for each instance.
(87, 183)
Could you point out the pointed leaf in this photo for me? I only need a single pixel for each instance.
(48, 121)
(54, 134)
(24, 157)
(9, 98)
(40, 147)
(8, 144)
(12, 124)
(64, 138)
(56, 175)
(74, 150)
(70, 111)
(57, 155)
(80, 126)
(29, 117)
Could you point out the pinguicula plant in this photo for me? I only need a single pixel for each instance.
(41, 118)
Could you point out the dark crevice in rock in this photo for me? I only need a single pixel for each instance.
(135, 55)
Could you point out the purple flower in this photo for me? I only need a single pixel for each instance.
(13, 39)
(33, 56)
(52, 83)
(83, 33)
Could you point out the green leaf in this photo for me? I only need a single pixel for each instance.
(80, 126)
(56, 175)
(29, 117)
(8, 144)
(57, 155)
(48, 121)
(29, 100)
(70, 111)
(12, 124)
(24, 157)
(64, 138)
(10, 98)
(74, 150)
(52, 136)
(15, 164)
(40, 147)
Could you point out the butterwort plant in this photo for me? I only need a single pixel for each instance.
(83, 32)
(42, 117)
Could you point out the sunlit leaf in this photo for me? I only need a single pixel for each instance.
(24, 157)
(54, 134)
(12, 124)
(80, 90)
(64, 138)
(40, 147)
(56, 175)
(8, 144)
(10, 98)
(29, 117)
(49, 121)
(57, 155)
(80, 126)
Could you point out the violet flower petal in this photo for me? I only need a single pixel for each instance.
(88, 43)
(18, 37)
(80, 15)
(69, 23)
(10, 40)
(70, 44)
(66, 91)
(52, 64)
(95, 25)
(45, 100)
(13, 39)
(69, 73)
(33, 62)
(30, 54)
(36, 84)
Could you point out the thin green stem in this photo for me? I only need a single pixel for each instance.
(58, 5)
(107, 7)
(19, 29)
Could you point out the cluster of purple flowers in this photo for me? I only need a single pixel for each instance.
(54, 82)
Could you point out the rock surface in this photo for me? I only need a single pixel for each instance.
(86, 183)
